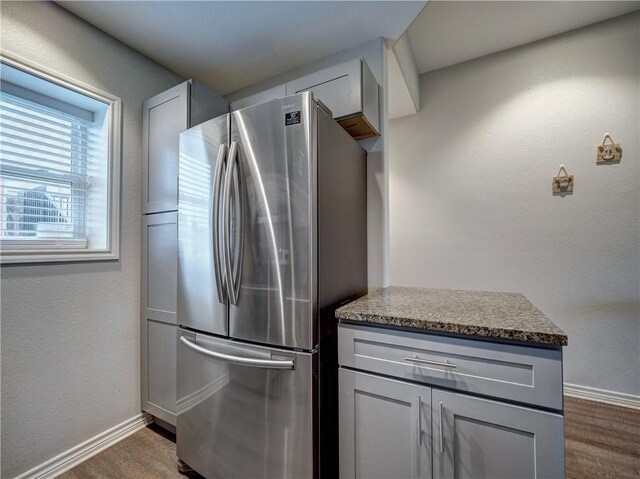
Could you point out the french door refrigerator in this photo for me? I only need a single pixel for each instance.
(272, 237)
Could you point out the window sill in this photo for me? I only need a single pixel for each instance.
(59, 255)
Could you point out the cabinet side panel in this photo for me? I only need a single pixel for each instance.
(342, 261)
(205, 104)
(370, 98)
(342, 215)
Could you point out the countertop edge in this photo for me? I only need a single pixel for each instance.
(529, 338)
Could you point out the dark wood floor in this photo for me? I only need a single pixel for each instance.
(602, 441)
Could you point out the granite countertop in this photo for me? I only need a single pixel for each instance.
(505, 316)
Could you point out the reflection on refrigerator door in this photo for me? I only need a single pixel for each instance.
(201, 288)
(277, 186)
(244, 411)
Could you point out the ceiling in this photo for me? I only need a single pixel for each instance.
(450, 32)
(230, 45)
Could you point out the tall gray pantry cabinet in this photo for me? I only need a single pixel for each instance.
(164, 117)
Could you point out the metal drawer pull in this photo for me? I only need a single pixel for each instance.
(446, 364)
(242, 361)
(441, 435)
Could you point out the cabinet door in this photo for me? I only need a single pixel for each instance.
(160, 267)
(339, 87)
(164, 117)
(384, 428)
(159, 382)
(278, 91)
(477, 438)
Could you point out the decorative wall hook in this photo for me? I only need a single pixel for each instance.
(562, 183)
(608, 152)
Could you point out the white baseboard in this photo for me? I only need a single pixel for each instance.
(80, 453)
(602, 395)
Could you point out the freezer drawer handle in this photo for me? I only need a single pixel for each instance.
(242, 361)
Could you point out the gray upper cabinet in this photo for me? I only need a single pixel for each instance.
(165, 116)
(478, 438)
(278, 91)
(350, 91)
(385, 428)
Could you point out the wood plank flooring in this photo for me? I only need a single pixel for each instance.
(601, 441)
(147, 454)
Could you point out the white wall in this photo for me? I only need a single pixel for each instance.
(70, 332)
(374, 53)
(470, 190)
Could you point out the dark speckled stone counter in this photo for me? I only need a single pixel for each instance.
(505, 316)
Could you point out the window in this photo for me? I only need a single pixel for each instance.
(59, 167)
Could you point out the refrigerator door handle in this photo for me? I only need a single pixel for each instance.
(216, 190)
(237, 258)
(232, 166)
(239, 360)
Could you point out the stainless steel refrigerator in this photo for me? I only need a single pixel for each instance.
(272, 237)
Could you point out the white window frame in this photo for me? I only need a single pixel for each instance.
(47, 251)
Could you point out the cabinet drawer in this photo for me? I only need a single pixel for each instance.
(519, 373)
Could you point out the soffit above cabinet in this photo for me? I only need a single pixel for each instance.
(450, 32)
(230, 45)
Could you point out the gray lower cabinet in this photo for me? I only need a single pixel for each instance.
(454, 411)
(385, 428)
(158, 303)
(161, 356)
(164, 116)
(478, 438)
(160, 267)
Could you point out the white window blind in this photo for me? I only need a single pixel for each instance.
(60, 145)
(45, 165)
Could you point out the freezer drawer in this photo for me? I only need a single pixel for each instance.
(244, 410)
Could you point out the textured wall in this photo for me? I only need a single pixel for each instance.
(470, 187)
(70, 332)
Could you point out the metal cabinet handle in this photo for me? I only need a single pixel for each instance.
(215, 220)
(441, 434)
(240, 360)
(420, 420)
(416, 359)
